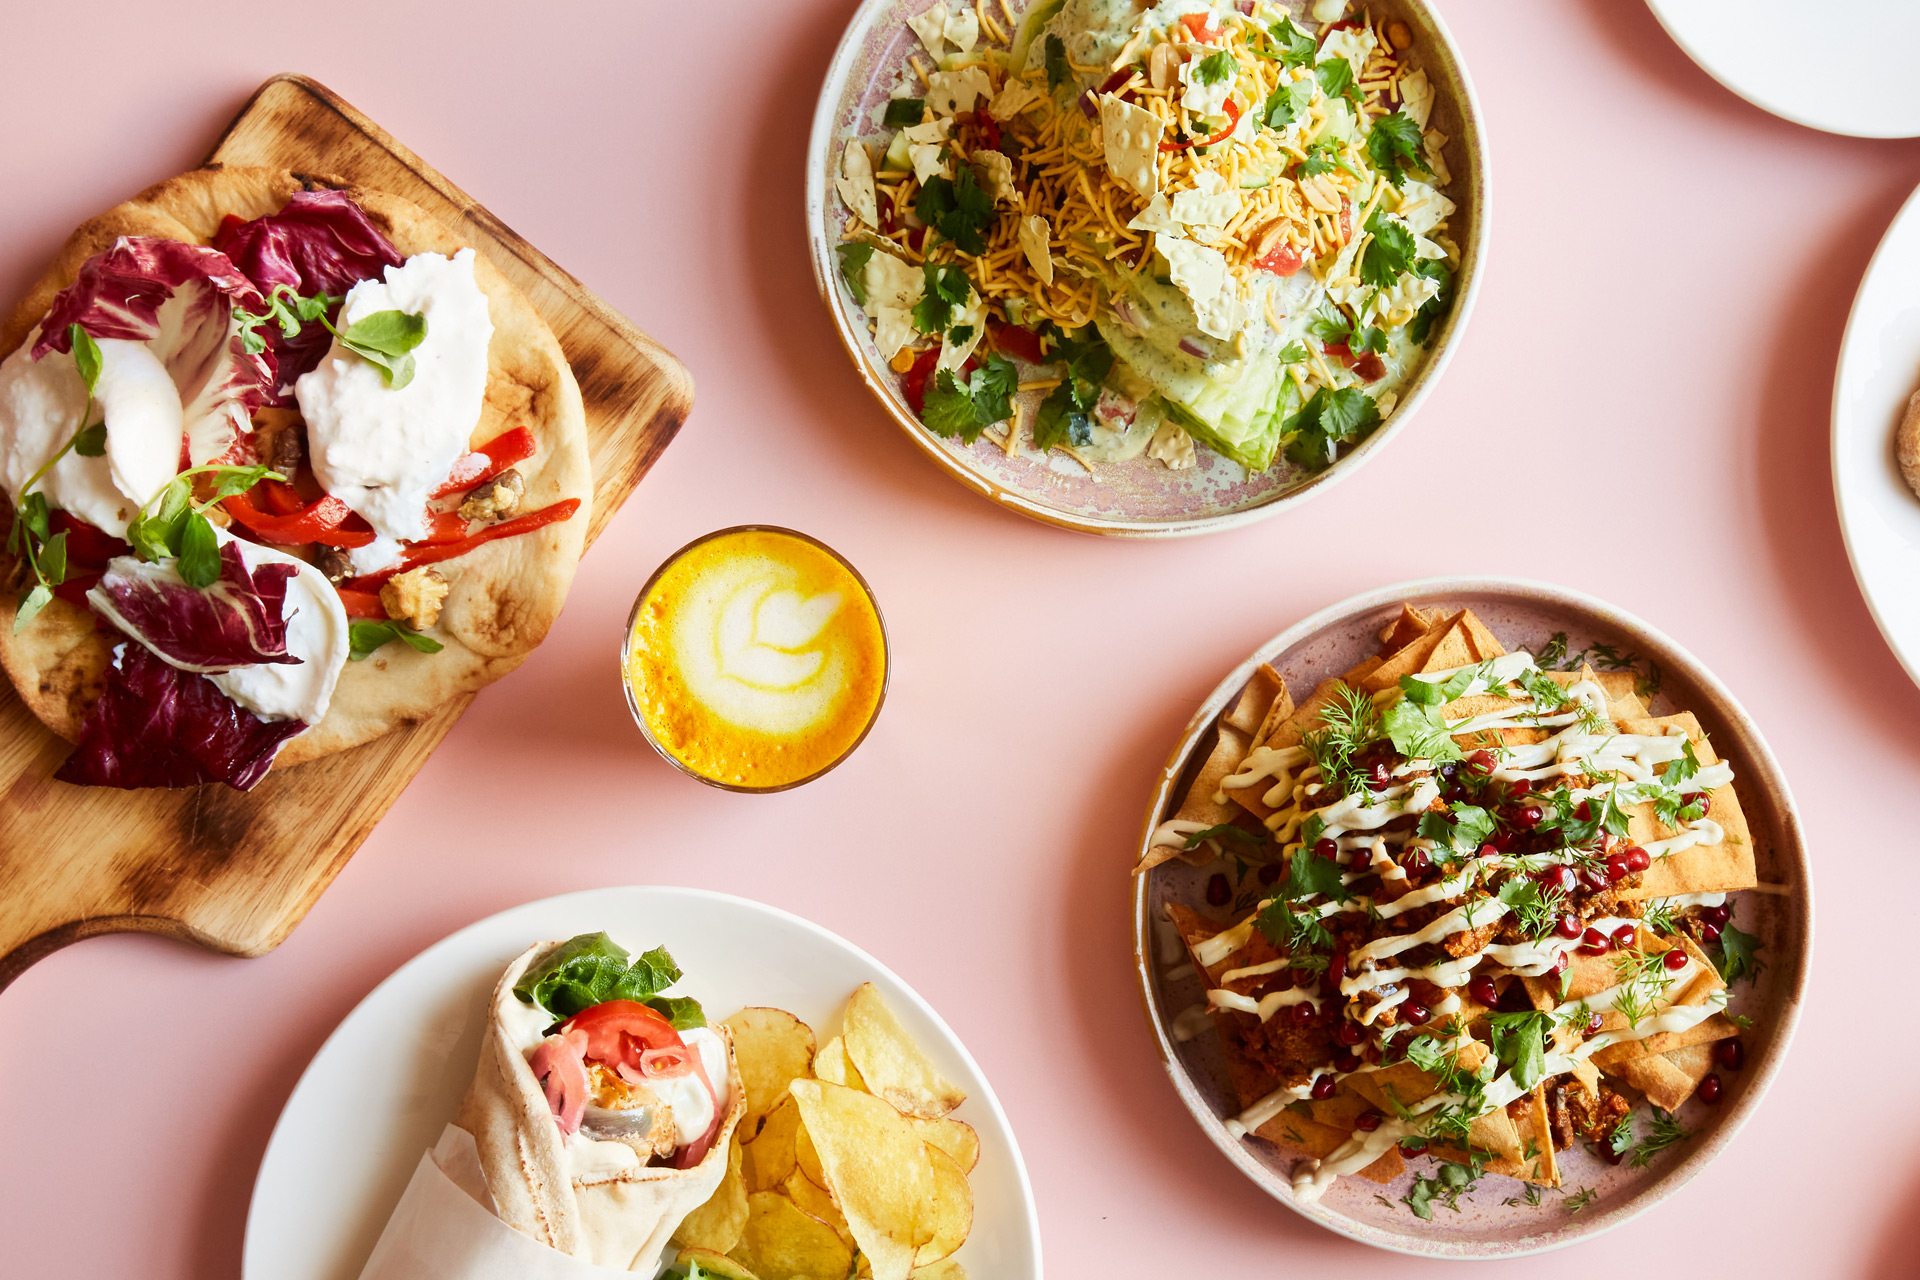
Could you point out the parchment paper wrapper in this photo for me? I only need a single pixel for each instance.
(617, 1222)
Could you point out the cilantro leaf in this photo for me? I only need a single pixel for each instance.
(365, 637)
(966, 409)
(1390, 252)
(1738, 956)
(1288, 102)
(1227, 833)
(1063, 417)
(1311, 876)
(1059, 70)
(1296, 46)
(1292, 353)
(1519, 1041)
(902, 112)
(1393, 144)
(957, 207)
(1336, 77)
(1434, 308)
(854, 257)
(1215, 68)
(1419, 731)
(947, 287)
(1322, 157)
(1328, 420)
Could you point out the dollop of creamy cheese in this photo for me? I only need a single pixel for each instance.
(382, 450)
(41, 402)
(693, 1107)
(316, 634)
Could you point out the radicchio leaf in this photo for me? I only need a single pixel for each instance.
(236, 622)
(321, 242)
(159, 726)
(179, 299)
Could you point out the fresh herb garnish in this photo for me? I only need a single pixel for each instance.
(1336, 78)
(1665, 1130)
(365, 637)
(591, 969)
(285, 308)
(1295, 47)
(386, 340)
(1337, 329)
(1329, 419)
(1518, 1040)
(1293, 353)
(31, 536)
(947, 287)
(1739, 954)
(1059, 70)
(902, 112)
(1227, 833)
(954, 408)
(1063, 417)
(1435, 308)
(1449, 1183)
(1530, 1198)
(1322, 157)
(1420, 732)
(1348, 723)
(1578, 1200)
(1393, 144)
(1389, 254)
(178, 527)
(854, 257)
(1215, 68)
(1288, 102)
(959, 208)
(1534, 909)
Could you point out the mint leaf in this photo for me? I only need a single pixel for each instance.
(854, 257)
(902, 112)
(1393, 145)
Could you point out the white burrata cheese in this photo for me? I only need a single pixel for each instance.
(316, 634)
(41, 402)
(382, 450)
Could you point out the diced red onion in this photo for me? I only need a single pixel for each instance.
(1195, 348)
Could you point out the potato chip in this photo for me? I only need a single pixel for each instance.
(774, 1048)
(834, 1066)
(813, 1199)
(770, 1157)
(955, 1137)
(781, 1241)
(949, 1209)
(890, 1062)
(945, 1269)
(877, 1167)
(807, 1158)
(717, 1264)
(717, 1224)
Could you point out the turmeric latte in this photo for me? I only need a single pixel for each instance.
(756, 659)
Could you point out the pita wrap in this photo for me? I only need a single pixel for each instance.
(505, 594)
(612, 1219)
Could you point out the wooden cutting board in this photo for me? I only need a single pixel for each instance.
(236, 871)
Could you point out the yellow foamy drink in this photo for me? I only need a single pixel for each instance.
(756, 659)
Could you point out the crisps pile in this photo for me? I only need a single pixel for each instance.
(1486, 899)
(846, 1163)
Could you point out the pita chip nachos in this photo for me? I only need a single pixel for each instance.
(1476, 907)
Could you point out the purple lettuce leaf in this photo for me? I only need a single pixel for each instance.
(321, 242)
(235, 622)
(158, 726)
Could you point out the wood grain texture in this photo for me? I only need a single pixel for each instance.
(233, 871)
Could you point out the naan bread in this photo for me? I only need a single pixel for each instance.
(505, 594)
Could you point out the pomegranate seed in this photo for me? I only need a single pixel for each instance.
(1218, 892)
(1349, 1033)
(1568, 927)
(1482, 761)
(1710, 1088)
(1374, 1053)
(1705, 802)
(1595, 879)
(1325, 847)
(1302, 1014)
(1487, 851)
(1367, 1121)
(1520, 787)
(1593, 943)
(1561, 878)
(1324, 1087)
(1709, 932)
(1638, 859)
(1528, 816)
(1269, 873)
(1617, 868)
(1415, 860)
(1346, 1060)
(1583, 811)
(1560, 964)
(1625, 936)
(1411, 1151)
(1381, 773)
(1302, 977)
(1504, 840)
(1606, 1152)
(1483, 991)
(1675, 960)
(1716, 915)
(1336, 970)
(1414, 1014)
(1731, 1054)
(1594, 1022)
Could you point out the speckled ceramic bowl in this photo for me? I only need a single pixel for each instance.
(1521, 614)
(1141, 498)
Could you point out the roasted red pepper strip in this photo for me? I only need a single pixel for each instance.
(1232, 109)
(444, 526)
(489, 460)
(361, 604)
(317, 523)
(280, 499)
(434, 552)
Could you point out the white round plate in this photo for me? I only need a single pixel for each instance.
(392, 1073)
(1847, 70)
(1879, 369)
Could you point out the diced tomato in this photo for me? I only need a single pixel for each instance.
(489, 460)
(1114, 81)
(1345, 24)
(1367, 364)
(1022, 344)
(87, 544)
(913, 383)
(74, 589)
(361, 604)
(1283, 259)
(1196, 25)
(1232, 109)
(917, 239)
(1346, 220)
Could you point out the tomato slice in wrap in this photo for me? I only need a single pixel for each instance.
(640, 1044)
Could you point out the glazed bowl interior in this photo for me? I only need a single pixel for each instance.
(1495, 1221)
(1141, 498)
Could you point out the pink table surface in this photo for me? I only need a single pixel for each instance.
(1669, 274)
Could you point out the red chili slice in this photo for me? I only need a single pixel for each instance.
(489, 460)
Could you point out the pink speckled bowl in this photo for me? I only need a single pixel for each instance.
(1521, 614)
(1142, 498)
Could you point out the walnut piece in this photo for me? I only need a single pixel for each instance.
(497, 499)
(415, 597)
